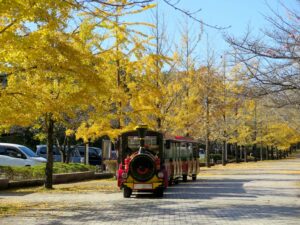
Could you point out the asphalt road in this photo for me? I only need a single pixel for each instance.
(259, 193)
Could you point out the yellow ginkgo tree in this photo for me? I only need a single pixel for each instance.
(49, 68)
(120, 50)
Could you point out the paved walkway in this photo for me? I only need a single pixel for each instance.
(263, 193)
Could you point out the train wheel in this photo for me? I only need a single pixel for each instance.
(159, 192)
(194, 177)
(127, 192)
(184, 178)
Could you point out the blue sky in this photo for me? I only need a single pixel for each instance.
(235, 13)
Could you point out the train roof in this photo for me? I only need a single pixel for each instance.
(180, 139)
(131, 132)
(165, 136)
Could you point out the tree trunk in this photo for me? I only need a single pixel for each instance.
(226, 153)
(68, 150)
(254, 152)
(224, 148)
(50, 142)
(207, 133)
(267, 152)
(241, 152)
(236, 150)
(63, 153)
(279, 154)
(229, 151)
(64, 157)
(62, 149)
(158, 122)
(86, 154)
(207, 153)
(272, 153)
(245, 154)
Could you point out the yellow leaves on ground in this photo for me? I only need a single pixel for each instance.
(105, 185)
(11, 208)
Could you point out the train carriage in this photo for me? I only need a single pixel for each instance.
(148, 162)
(181, 157)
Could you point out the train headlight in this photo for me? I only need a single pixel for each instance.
(160, 175)
(124, 175)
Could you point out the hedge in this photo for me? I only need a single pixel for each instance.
(38, 172)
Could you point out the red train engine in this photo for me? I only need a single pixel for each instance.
(141, 166)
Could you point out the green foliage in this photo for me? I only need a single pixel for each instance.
(71, 167)
(38, 172)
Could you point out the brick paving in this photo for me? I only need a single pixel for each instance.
(268, 194)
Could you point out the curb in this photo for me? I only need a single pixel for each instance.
(3, 184)
(57, 179)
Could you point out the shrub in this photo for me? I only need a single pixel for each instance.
(7, 172)
(216, 157)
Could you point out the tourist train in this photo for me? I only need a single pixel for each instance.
(150, 161)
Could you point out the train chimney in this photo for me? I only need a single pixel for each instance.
(142, 129)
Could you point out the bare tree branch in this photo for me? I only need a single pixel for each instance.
(190, 15)
(8, 26)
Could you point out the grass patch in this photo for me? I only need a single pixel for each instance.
(202, 160)
(38, 172)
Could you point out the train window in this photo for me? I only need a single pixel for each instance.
(168, 144)
(183, 150)
(151, 140)
(174, 151)
(133, 142)
(150, 143)
(190, 150)
(2, 150)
